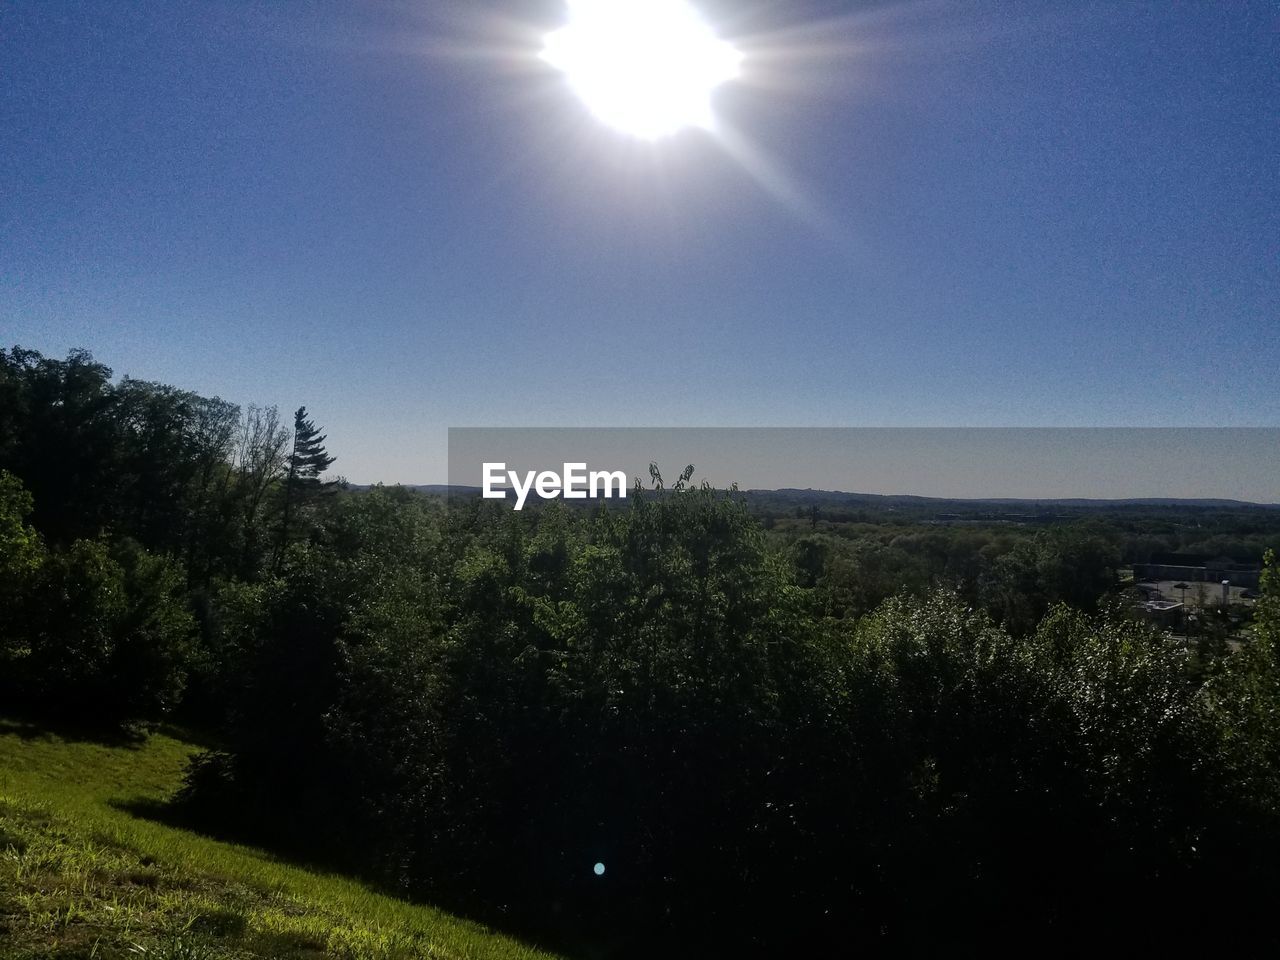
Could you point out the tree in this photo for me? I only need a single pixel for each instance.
(59, 434)
(110, 637)
(307, 462)
(21, 558)
(215, 424)
(259, 465)
(20, 547)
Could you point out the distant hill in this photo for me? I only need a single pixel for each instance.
(798, 496)
(809, 495)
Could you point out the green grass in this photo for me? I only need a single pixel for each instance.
(81, 878)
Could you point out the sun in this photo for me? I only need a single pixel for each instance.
(647, 68)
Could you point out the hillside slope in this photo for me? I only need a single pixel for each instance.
(80, 877)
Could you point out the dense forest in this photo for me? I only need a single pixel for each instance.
(688, 724)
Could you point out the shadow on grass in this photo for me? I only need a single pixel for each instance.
(171, 813)
(32, 729)
(174, 814)
(192, 735)
(31, 726)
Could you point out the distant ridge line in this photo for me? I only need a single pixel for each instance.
(811, 494)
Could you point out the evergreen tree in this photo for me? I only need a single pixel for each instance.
(307, 462)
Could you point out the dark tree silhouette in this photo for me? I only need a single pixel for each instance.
(307, 462)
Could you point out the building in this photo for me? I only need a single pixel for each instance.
(1196, 568)
(1164, 613)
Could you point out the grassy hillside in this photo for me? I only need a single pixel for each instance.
(80, 877)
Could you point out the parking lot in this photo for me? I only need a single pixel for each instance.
(1195, 594)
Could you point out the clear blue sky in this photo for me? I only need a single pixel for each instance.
(995, 214)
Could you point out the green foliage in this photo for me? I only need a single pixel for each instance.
(1246, 694)
(22, 557)
(109, 637)
(1267, 616)
(73, 643)
(490, 703)
(20, 547)
(59, 434)
(1072, 565)
(182, 474)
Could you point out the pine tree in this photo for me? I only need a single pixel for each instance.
(308, 460)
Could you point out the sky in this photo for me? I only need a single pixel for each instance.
(907, 214)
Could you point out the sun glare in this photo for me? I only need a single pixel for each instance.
(644, 67)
